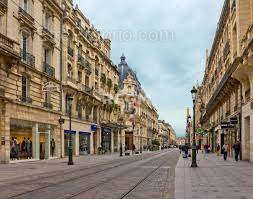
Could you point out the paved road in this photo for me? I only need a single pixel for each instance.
(146, 176)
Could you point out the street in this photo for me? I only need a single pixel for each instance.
(151, 175)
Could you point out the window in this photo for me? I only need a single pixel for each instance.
(87, 80)
(24, 88)
(25, 6)
(79, 76)
(47, 98)
(47, 56)
(47, 21)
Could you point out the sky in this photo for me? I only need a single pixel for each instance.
(164, 41)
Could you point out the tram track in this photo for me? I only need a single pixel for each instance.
(108, 180)
(71, 179)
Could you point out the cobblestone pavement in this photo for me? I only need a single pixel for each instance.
(150, 175)
(214, 179)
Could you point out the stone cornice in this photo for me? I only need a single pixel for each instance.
(221, 24)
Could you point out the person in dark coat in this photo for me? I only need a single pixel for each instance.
(237, 148)
(28, 148)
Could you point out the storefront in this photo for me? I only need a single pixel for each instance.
(84, 143)
(30, 140)
(106, 139)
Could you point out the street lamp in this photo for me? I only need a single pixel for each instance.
(70, 162)
(194, 161)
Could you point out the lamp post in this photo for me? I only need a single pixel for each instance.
(194, 161)
(70, 162)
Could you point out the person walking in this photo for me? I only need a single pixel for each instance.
(27, 148)
(52, 147)
(133, 152)
(237, 148)
(225, 151)
(218, 149)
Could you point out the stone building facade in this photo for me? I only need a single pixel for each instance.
(29, 79)
(141, 117)
(227, 83)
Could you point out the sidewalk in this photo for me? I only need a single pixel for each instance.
(214, 178)
(18, 170)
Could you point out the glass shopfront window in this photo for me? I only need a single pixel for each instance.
(31, 140)
(84, 143)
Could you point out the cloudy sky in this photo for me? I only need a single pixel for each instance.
(163, 41)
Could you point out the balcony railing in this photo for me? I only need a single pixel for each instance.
(4, 3)
(26, 99)
(23, 13)
(48, 105)
(49, 70)
(6, 42)
(70, 51)
(81, 60)
(226, 50)
(27, 58)
(48, 32)
(247, 38)
(87, 89)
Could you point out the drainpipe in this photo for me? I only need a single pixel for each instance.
(61, 121)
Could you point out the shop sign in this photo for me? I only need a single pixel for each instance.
(84, 133)
(107, 130)
(226, 125)
(233, 120)
(93, 127)
(50, 87)
(69, 131)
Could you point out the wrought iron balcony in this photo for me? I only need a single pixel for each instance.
(27, 58)
(226, 50)
(48, 105)
(24, 15)
(80, 60)
(70, 51)
(86, 89)
(6, 42)
(4, 3)
(48, 35)
(49, 70)
(247, 38)
(26, 99)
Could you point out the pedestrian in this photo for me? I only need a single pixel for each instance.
(237, 148)
(225, 151)
(206, 150)
(52, 146)
(133, 149)
(180, 149)
(218, 149)
(27, 148)
(16, 148)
